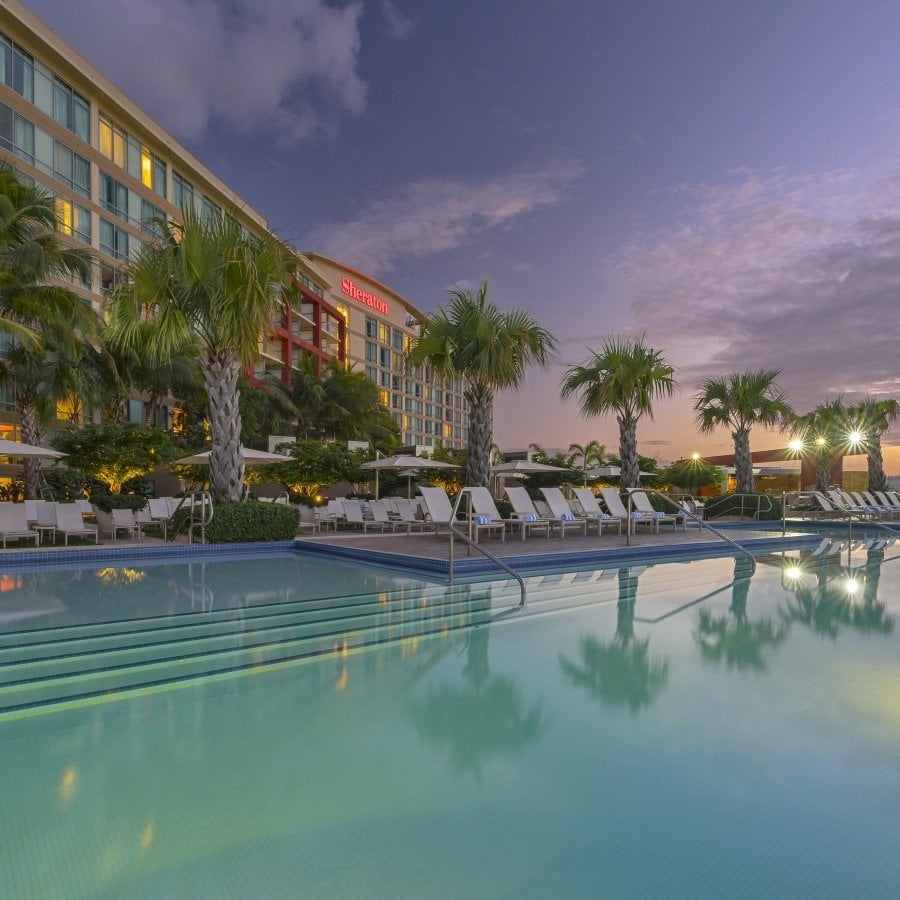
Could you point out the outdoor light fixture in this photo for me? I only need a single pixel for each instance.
(695, 456)
(796, 445)
(792, 573)
(821, 441)
(856, 437)
(851, 586)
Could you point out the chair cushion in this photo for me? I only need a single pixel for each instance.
(481, 520)
(530, 517)
(566, 517)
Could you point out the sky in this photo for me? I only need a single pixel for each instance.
(719, 176)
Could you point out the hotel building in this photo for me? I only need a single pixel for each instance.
(112, 170)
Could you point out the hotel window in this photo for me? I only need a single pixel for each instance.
(129, 153)
(73, 219)
(71, 110)
(386, 379)
(109, 277)
(385, 357)
(396, 383)
(16, 133)
(397, 401)
(384, 333)
(385, 397)
(372, 373)
(113, 142)
(371, 327)
(72, 169)
(113, 196)
(113, 240)
(16, 68)
(438, 396)
(182, 192)
(448, 414)
(151, 218)
(209, 212)
(397, 339)
(371, 352)
(448, 431)
(429, 409)
(416, 424)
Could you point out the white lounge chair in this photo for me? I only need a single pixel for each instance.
(483, 505)
(440, 511)
(559, 506)
(642, 504)
(523, 506)
(14, 524)
(69, 522)
(588, 503)
(353, 515)
(615, 505)
(407, 514)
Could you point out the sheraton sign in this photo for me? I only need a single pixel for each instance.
(351, 290)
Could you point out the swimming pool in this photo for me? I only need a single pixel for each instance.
(659, 730)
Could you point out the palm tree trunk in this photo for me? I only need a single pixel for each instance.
(221, 370)
(823, 470)
(630, 476)
(478, 469)
(877, 480)
(743, 465)
(31, 434)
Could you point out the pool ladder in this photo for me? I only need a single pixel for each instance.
(200, 508)
(456, 532)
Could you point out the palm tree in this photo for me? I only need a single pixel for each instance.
(739, 401)
(490, 349)
(208, 281)
(623, 377)
(825, 430)
(31, 256)
(42, 375)
(593, 453)
(872, 419)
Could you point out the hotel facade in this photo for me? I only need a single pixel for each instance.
(112, 170)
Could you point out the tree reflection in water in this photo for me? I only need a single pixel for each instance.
(620, 673)
(480, 718)
(838, 604)
(733, 637)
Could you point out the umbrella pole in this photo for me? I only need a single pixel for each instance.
(376, 484)
(409, 487)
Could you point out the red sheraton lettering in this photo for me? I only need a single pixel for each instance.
(351, 290)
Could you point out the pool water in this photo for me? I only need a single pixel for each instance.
(659, 730)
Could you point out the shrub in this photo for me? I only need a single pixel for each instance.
(252, 521)
(108, 502)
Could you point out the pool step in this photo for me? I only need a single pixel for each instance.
(69, 664)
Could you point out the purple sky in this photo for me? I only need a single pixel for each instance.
(720, 175)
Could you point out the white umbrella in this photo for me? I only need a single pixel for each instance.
(611, 472)
(251, 458)
(523, 465)
(15, 448)
(405, 461)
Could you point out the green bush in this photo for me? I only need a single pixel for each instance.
(252, 521)
(107, 502)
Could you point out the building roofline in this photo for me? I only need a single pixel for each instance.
(69, 62)
(313, 255)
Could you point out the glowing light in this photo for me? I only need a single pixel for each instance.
(821, 441)
(695, 456)
(796, 445)
(856, 437)
(851, 586)
(793, 572)
(68, 784)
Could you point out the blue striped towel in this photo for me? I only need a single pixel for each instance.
(637, 515)
(659, 515)
(481, 520)
(603, 516)
(530, 517)
(566, 517)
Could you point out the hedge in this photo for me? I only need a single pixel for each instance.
(252, 521)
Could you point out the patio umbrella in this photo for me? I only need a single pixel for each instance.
(526, 467)
(251, 458)
(404, 461)
(15, 448)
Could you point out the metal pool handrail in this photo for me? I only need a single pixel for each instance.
(702, 523)
(757, 497)
(454, 531)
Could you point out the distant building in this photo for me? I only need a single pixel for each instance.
(113, 170)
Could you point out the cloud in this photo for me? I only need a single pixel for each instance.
(280, 64)
(427, 217)
(800, 273)
(399, 26)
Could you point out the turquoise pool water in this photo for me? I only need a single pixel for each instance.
(643, 731)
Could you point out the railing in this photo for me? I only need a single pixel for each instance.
(745, 502)
(688, 514)
(197, 503)
(455, 532)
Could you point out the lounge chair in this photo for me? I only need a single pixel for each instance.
(354, 516)
(117, 520)
(589, 505)
(523, 506)
(483, 505)
(847, 505)
(407, 514)
(559, 506)
(440, 511)
(615, 505)
(14, 524)
(379, 511)
(642, 503)
(70, 523)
